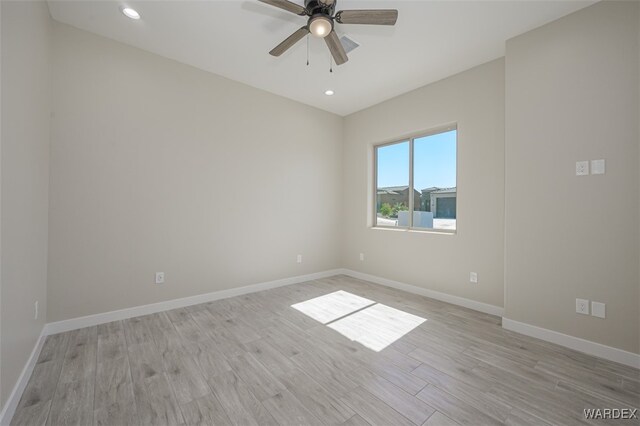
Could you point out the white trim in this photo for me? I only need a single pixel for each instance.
(592, 348)
(444, 297)
(10, 406)
(576, 343)
(105, 317)
(75, 323)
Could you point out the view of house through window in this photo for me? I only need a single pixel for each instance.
(393, 182)
(432, 201)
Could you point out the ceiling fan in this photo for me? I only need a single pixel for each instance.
(322, 18)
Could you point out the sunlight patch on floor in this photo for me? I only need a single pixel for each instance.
(332, 306)
(371, 324)
(377, 326)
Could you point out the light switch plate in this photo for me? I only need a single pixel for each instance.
(597, 167)
(582, 168)
(598, 309)
(159, 277)
(582, 306)
(473, 277)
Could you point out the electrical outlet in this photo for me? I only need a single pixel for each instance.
(299, 259)
(582, 306)
(36, 314)
(159, 277)
(582, 168)
(473, 277)
(362, 257)
(598, 309)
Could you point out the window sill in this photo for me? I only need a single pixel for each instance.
(414, 230)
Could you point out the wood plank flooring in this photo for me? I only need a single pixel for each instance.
(255, 360)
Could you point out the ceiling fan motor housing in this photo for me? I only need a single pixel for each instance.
(325, 7)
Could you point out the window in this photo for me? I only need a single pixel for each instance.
(416, 182)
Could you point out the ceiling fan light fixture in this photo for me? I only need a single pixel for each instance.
(320, 25)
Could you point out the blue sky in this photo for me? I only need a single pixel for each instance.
(435, 162)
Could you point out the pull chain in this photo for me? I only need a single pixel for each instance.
(330, 63)
(307, 49)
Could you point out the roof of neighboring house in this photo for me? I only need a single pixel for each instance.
(430, 189)
(395, 190)
(392, 189)
(444, 190)
(436, 190)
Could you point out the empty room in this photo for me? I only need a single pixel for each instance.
(319, 212)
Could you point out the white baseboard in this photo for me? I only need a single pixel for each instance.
(592, 348)
(75, 323)
(582, 345)
(105, 317)
(14, 398)
(136, 311)
(444, 297)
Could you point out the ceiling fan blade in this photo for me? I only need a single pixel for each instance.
(368, 17)
(289, 41)
(336, 49)
(287, 5)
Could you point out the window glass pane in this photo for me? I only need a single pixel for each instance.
(434, 179)
(392, 195)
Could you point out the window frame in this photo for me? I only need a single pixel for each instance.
(411, 139)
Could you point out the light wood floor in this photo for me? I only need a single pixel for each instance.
(255, 360)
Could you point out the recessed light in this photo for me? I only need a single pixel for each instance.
(130, 13)
(329, 92)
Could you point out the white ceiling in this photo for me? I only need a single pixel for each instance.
(431, 40)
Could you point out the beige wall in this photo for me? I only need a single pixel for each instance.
(475, 100)
(572, 94)
(25, 179)
(157, 166)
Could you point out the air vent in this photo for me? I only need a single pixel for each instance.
(348, 43)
